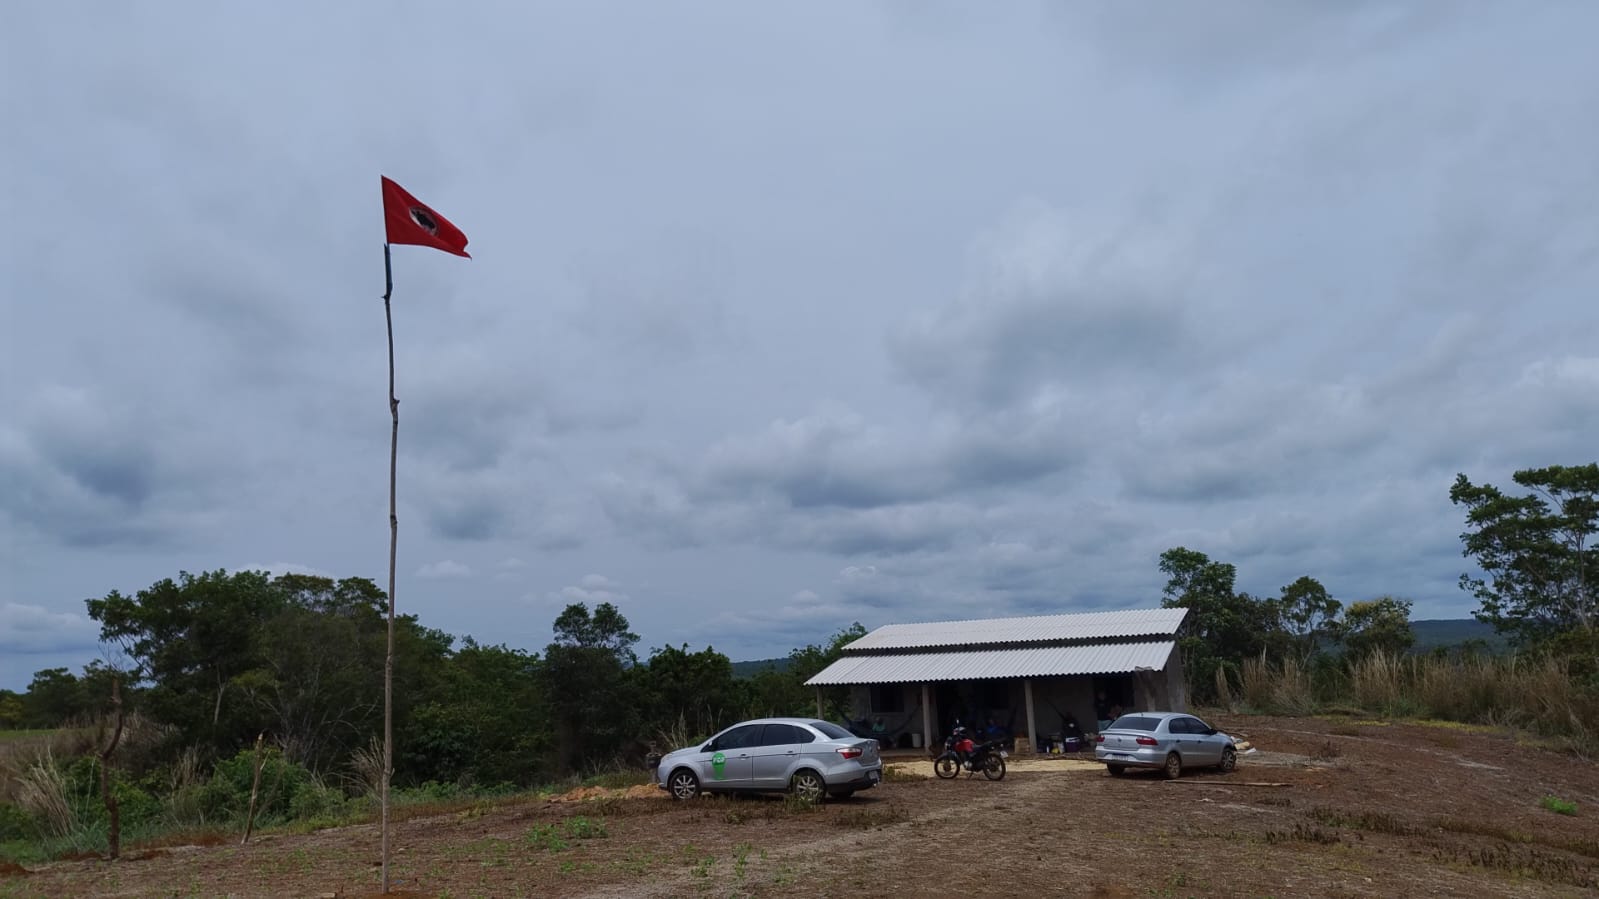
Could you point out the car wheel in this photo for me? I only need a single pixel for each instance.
(994, 768)
(1174, 766)
(683, 784)
(1116, 770)
(808, 786)
(842, 794)
(947, 766)
(1229, 760)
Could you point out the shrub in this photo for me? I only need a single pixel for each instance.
(16, 823)
(1558, 806)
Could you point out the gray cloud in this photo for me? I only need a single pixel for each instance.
(988, 311)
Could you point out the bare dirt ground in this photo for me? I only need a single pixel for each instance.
(1353, 809)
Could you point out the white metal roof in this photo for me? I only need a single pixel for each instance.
(978, 664)
(1038, 628)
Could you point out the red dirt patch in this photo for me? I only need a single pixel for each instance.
(12, 869)
(1368, 812)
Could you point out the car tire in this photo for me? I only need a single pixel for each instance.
(807, 786)
(1229, 760)
(1116, 770)
(1174, 766)
(682, 784)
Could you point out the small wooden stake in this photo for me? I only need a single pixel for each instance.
(255, 790)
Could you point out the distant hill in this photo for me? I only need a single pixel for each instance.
(749, 669)
(1435, 632)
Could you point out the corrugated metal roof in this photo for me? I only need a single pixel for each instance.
(1038, 628)
(979, 664)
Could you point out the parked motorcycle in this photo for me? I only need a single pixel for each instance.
(962, 753)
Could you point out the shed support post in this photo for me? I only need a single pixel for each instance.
(927, 720)
(819, 703)
(1032, 729)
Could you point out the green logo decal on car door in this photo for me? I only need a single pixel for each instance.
(719, 765)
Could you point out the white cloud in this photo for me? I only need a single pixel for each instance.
(444, 569)
(591, 589)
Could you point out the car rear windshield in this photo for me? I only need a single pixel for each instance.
(832, 730)
(1135, 722)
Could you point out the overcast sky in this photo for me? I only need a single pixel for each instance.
(784, 316)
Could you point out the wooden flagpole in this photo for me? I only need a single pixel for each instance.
(394, 542)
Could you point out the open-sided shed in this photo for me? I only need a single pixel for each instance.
(1030, 675)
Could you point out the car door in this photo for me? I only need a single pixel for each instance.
(1196, 748)
(727, 762)
(1215, 741)
(775, 755)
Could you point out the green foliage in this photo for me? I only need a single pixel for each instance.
(808, 661)
(1539, 551)
(1309, 614)
(1377, 626)
(592, 700)
(1558, 806)
(16, 824)
(54, 696)
(696, 688)
(12, 711)
(1223, 628)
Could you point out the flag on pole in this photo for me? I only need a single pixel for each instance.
(410, 221)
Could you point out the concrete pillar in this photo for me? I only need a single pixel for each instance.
(927, 719)
(1032, 728)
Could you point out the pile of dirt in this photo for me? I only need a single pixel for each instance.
(584, 794)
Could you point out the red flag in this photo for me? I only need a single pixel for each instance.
(411, 221)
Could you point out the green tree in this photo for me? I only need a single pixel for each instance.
(12, 711)
(586, 683)
(1538, 551)
(486, 721)
(696, 688)
(313, 686)
(54, 695)
(1309, 614)
(1377, 625)
(190, 638)
(1223, 627)
(806, 662)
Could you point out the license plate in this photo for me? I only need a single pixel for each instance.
(1003, 754)
(872, 776)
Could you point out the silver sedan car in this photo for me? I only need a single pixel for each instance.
(1170, 741)
(805, 756)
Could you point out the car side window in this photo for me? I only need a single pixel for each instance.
(738, 738)
(779, 735)
(1180, 726)
(801, 735)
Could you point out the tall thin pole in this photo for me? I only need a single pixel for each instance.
(394, 542)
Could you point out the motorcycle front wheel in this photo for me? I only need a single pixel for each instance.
(994, 767)
(947, 766)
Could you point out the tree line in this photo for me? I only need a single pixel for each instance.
(1538, 587)
(219, 658)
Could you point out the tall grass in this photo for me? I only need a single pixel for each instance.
(1285, 688)
(1539, 695)
(42, 790)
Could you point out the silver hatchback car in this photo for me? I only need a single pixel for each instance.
(1170, 741)
(805, 756)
